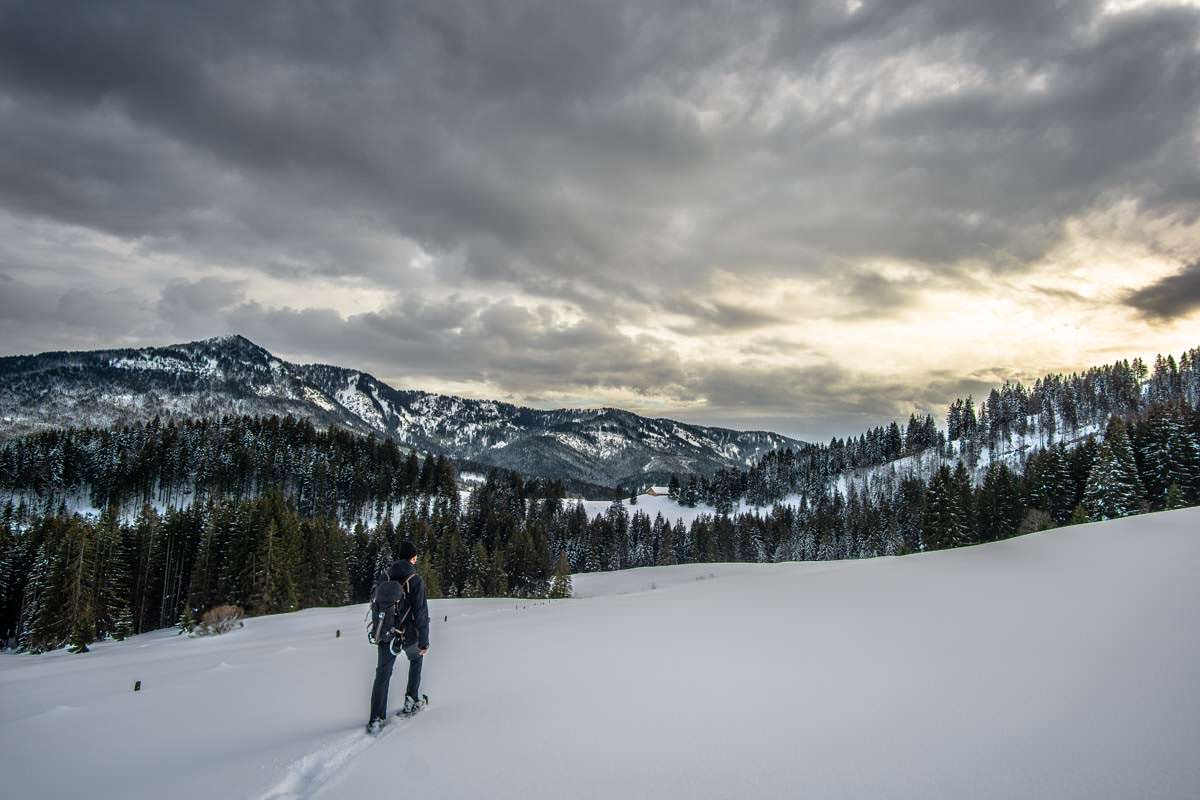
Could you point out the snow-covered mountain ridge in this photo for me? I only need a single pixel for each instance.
(232, 375)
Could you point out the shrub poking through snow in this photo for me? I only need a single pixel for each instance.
(218, 620)
(187, 623)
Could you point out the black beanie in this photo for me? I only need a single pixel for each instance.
(407, 550)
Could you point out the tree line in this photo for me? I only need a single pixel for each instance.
(69, 580)
(1058, 407)
(323, 473)
(273, 515)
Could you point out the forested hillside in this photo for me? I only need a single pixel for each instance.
(273, 515)
(1008, 426)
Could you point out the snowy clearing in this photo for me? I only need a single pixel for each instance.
(672, 511)
(1061, 664)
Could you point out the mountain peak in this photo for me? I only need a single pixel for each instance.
(230, 340)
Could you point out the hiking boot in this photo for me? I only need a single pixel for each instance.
(374, 726)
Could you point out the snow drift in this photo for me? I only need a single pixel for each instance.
(1061, 664)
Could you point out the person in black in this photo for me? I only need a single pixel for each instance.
(416, 640)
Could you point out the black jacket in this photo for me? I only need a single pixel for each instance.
(416, 627)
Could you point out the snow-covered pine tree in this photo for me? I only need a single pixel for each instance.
(639, 540)
(690, 494)
(520, 563)
(123, 624)
(654, 544)
(667, 554)
(964, 495)
(1183, 459)
(9, 587)
(942, 523)
(205, 565)
(999, 508)
(112, 572)
(187, 620)
(32, 633)
(1113, 489)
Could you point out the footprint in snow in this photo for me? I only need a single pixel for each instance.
(56, 711)
(306, 776)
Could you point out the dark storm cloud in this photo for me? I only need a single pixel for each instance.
(456, 125)
(79, 318)
(864, 294)
(717, 316)
(1171, 297)
(808, 390)
(1042, 126)
(548, 139)
(521, 351)
(612, 155)
(191, 306)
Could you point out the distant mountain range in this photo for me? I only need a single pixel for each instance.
(232, 375)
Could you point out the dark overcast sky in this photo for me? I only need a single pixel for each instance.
(804, 217)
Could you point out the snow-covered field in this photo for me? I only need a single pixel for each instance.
(672, 511)
(1059, 665)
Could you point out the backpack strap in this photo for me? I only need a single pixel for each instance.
(408, 609)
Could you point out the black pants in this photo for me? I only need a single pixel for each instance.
(383, 676)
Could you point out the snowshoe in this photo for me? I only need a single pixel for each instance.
(375, 726)
(412, 706)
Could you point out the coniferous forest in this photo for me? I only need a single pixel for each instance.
(274, 515)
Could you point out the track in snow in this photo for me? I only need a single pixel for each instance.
(308, 774)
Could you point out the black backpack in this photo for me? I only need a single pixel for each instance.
(389, 612)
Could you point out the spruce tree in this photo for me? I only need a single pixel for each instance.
(998, 504)
(477, 572)
(112, 572)
(942, 523)
(524, 567)
(123, 624)
(9, 586)
(495, 578)
(668, 553)
(1113, 489)
(560, 585)
(336, 574)
(964, 497)
(264, 570)
(427, 568)
(78, 587)
(1174, 497)
(33, 634)
(205, 569)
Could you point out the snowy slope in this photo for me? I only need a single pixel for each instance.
(1061, 664)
